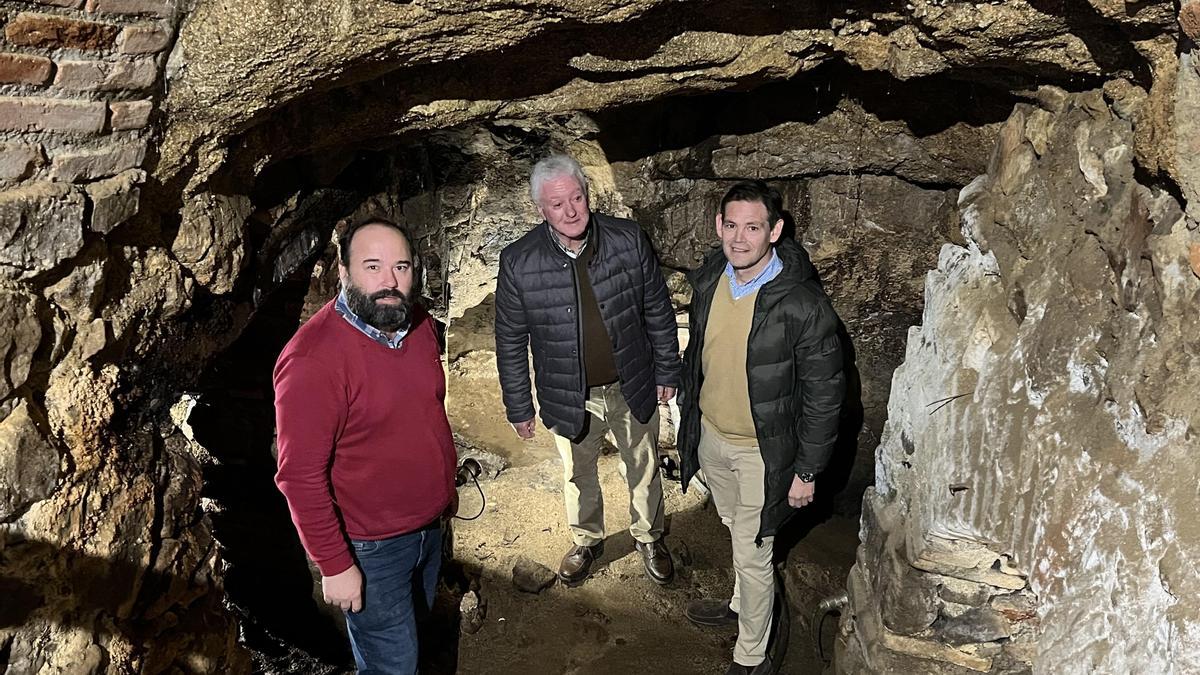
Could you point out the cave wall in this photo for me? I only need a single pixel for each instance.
(106, 563)
(1040, 444)
(152, 203)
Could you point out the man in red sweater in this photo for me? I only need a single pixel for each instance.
(366, 457)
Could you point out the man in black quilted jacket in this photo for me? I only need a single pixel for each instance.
(583, 291)
(762, 388)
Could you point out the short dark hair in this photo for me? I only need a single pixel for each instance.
(756, 191)
(348, 235)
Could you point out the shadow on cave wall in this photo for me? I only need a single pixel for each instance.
(926, 105)
(267, 576)
(93, 593)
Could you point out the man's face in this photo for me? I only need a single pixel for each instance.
(746, 236)
(379, 279)
(564, 204)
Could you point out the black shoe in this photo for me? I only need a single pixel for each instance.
(577, 563)
(657, 560)
(709, 612)
(763, 668)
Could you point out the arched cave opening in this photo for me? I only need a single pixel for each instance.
(870, 168)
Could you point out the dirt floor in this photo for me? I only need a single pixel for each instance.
(618, 621)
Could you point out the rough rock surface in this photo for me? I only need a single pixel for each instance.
(1045, 405)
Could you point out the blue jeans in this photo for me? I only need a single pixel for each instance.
(399, 580)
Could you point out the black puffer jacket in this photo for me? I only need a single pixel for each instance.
(537, 306)
(794, 368)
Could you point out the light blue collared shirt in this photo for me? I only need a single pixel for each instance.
(342, 307)
(740, 290)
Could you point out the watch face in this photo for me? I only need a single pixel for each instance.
(806, 478)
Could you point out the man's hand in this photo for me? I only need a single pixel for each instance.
(801, 494)
(524, 429)
(344, 589)
(665, 393)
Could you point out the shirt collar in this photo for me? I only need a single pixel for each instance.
(343, 307)
(572, 254)
(739, 290)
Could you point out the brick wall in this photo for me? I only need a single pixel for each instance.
(79, 81)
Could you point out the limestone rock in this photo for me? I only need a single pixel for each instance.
(472, 610)
(1186, 129)
(210, 240)
(908, 602)
(101, 162)
(1048, 350)
(978, 624)
(114, 200)
(28, 462)
(964, 592)
(18, 160)
(530, 576)
(1189, 19)
(22, 335)
(41, 224)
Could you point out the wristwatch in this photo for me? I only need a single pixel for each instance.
(806, 477)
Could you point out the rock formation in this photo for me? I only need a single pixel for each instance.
(171, 175)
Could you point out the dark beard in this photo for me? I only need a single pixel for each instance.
(387, 318)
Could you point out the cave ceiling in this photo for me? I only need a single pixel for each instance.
(257, 82)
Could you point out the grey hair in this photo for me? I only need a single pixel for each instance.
(555, 166)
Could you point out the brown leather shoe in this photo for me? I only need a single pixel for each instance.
(657, 560)
(577, 563)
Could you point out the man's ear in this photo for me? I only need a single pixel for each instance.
(776, 230)
(720, 220)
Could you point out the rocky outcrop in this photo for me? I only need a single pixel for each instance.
(1043, 411)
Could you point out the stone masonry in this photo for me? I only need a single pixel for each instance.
(77, 89)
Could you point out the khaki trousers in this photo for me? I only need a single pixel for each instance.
(638, 445)
(735, 474)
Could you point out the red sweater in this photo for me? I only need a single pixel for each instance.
(365, 449)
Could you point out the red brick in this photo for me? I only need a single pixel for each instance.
(1189, 19)
(130, 114)
(24, 69)
(51, 114)
(47, 30)
(105, 75)
(145, 38)
(153, 7)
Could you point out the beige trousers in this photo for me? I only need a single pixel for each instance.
(638, 445)
(735, 475)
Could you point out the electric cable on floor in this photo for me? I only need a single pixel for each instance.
(470, 469)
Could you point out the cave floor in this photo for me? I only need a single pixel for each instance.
(618, 621)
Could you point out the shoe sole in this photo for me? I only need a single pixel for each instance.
(660, 582)
(721, 623)
(569, 583)
(713, 621)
